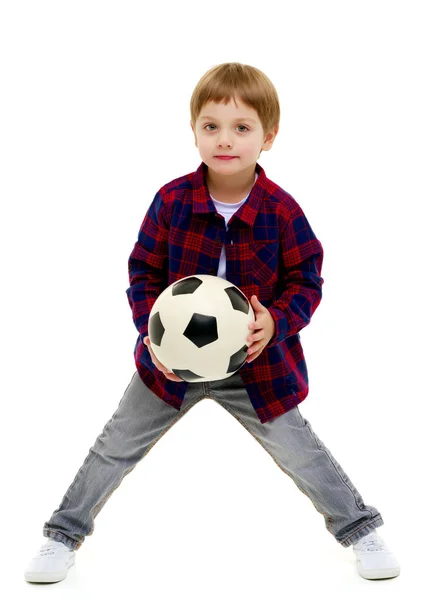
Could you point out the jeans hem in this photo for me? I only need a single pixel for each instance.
(362, 530)
(59, 537)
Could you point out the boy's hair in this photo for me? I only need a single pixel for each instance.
(229, 80)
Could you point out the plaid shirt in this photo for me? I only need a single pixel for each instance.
(271, 251)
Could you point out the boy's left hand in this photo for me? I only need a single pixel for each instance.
(263, 329)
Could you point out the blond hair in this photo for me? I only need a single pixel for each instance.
(231, 80)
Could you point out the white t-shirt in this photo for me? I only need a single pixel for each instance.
(227, 210)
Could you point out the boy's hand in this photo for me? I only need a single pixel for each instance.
(168, 374)
(264, 329)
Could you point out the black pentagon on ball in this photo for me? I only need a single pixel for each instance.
(186, 375)
(237, 360)
(201, 330)
(188, 286)
(156, 329)
(238, 299)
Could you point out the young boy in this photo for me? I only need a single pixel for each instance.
(226, 219)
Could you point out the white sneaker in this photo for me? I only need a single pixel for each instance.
(50, 564)
(374, 559)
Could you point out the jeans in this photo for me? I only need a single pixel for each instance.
(142, 418)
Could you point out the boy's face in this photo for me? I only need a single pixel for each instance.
(231, 130)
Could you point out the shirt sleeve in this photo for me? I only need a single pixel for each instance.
(302, 256)
(148, 264)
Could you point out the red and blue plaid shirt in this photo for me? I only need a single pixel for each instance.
(271, 251)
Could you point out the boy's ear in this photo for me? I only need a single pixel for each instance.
(196, 141)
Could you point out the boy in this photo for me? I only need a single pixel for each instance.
(226, 219)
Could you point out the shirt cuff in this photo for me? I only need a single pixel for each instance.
(281, 327)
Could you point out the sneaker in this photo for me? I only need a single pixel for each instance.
(374, 559)
(50, 564)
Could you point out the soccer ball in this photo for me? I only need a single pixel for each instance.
(198, 328)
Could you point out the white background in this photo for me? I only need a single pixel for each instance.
(94, 120)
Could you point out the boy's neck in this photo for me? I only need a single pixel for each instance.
(230, 188)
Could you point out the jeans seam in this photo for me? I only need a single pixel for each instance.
(337, 470)
(180, 414)
(328, 517)
(100, 505)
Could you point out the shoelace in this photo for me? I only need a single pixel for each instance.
(372, 544)
(48, 548)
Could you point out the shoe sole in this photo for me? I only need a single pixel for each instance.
(380, 573)
(48, 577)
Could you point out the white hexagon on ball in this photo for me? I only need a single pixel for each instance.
(198, 328)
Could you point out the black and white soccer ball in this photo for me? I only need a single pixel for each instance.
(198, 328)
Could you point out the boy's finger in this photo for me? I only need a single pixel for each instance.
(146, 341)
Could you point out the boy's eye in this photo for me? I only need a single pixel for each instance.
(211, 124)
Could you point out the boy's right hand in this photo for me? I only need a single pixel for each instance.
(168, 374)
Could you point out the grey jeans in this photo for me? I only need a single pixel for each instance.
(142, 418)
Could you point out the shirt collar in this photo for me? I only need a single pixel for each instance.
(202, 202)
